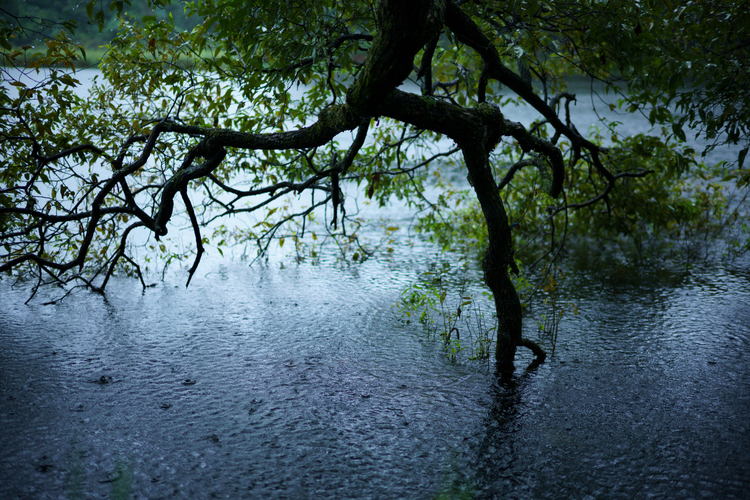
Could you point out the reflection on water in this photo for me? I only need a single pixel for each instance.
(299, 383)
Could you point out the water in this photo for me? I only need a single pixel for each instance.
(299, 383)
(647, 398)
(255, 381)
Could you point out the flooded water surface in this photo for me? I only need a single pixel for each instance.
(300, 383)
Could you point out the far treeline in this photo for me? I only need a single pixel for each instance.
(92, 24)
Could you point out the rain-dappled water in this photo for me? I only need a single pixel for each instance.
(299, 383)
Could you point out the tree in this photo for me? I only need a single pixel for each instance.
(247, 108)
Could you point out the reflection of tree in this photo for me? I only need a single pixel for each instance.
(496, 473)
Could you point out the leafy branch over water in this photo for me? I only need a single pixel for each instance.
(250, 125)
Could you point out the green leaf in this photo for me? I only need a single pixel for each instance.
(99, 19)
(677, 129)
(117, 6)
(741, 158)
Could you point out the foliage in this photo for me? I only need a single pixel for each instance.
(665, 214)
(445, 303)
(699, 62)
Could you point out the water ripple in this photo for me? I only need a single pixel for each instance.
(298, 382)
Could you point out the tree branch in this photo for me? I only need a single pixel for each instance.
(470, 34)
(196, 231)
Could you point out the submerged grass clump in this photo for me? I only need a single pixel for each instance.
(452, 307)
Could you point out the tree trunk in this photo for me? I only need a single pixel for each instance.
(497, 259)
(477, 131)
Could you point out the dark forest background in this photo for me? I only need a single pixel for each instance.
(44, 19)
